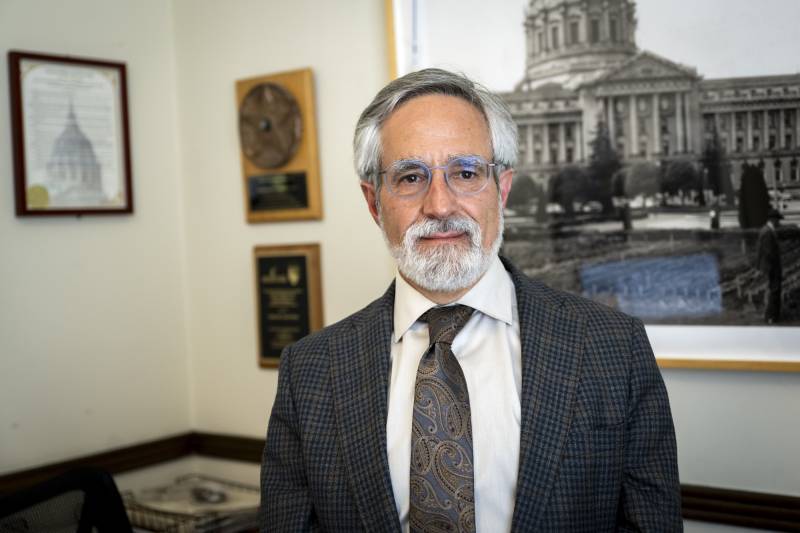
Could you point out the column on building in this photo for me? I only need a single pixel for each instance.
(748, 142)
(623, 23)
(785, 170)
(605, 23)
(769, 175)
(689, 111)
(562, 142)
(564, 24)
(590, 115)
(732, 132)
(583, 25)
(529, 142)
(529, 40)
(578, 141)
(656, 125)
(612, 126)
(797, 127)
(765, 130)
(781, 128)
(633, 145)
(681, 148)
(546, 30)
(546, 143)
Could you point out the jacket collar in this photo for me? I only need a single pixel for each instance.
(360, 382)
(551, 338)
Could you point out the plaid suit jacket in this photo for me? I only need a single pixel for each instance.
(597, 445)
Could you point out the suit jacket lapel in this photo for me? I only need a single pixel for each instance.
(551, 338)
(360, 380)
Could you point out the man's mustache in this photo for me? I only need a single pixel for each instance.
(429, 226)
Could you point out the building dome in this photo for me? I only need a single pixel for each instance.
(570, 42)
(74, 174)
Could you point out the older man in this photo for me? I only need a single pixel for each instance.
(468, 397)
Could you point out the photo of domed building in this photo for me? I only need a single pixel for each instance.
(584, 69)
(644, 185)
(74, 176)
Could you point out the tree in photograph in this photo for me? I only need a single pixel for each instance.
(523, 192)
(642, 179)
(603, 164)
(679, 179)
(753, 198)
(717, 170)
(712, 166)
(541, 206)
(567, 187)
(619, 191)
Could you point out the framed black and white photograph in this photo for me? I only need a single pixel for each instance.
(69, 119)
(659, 148)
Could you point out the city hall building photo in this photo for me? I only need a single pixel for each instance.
(584, 69)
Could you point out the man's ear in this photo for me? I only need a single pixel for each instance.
(504, 183)
(371, 196)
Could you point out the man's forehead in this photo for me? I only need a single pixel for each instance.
(436, 124)
(435, 100)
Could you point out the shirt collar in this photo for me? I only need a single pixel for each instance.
(491, 296)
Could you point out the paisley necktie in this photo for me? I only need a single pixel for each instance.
(441, 483)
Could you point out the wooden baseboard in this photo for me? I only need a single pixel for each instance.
(245, 449)
(708, 504)
(741, 508)
(114, 461)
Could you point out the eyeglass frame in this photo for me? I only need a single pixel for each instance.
(492, 166)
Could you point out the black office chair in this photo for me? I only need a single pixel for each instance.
(84, 500)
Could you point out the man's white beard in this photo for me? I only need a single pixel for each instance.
(444, 267)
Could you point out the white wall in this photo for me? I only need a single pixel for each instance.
(218, 43)
(93, 332)
(737, 430)
(92, 328)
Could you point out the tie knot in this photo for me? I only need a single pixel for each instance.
(444, 323)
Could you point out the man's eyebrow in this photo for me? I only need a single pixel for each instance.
(464, 156)
(409, 161)
(451, 157)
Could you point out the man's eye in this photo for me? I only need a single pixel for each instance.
(466, 174)
(409, 178)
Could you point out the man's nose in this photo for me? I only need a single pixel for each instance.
(439, 201)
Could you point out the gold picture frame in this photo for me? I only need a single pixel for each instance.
(289, 190)
(288, 297)
(769, 357)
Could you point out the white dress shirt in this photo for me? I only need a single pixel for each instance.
(488, 350)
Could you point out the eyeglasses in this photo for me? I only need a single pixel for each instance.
(464, 175)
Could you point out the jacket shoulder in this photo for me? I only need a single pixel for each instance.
(593, 314)
(316, 344)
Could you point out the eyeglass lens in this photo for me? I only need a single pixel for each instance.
(467, 175)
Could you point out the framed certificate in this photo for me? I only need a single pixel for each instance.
(69, 122)
(288, 297)
(278, 140)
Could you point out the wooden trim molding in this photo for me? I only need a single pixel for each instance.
(391, 45)
(741, 508)
(232, 447)
(708, 504)
(114, 461)
(729, 364)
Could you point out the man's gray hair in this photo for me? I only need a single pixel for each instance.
(367, 139)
